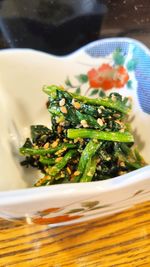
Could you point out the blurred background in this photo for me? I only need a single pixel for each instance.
(61, 26)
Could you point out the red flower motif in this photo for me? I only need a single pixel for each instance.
(57, 219)
(50, 210)
(107, 77)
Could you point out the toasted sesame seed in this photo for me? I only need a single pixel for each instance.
(63, 110)
(46, 146)
(100, 122)
(46, 170)
(116, 115)
(60, 151)
(62, 102)
(60, 119)
(68, 170)
(84, 123)
(59, 129)
(101, 107)
(62, 123)
(77, 105)
(54, 144)
(119, 122)
(46, 177)
(58, 159)
(78, 140)
(122, 164)
(76, 173)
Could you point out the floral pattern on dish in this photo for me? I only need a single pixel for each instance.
(86, 209)
(107, 76)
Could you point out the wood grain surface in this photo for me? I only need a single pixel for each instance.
(116, 241)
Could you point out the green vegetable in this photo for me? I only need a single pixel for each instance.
(43, 151)
(47, 161)
(90, 139)
(61, 164)
(92, 122)
(89, 170)
(101, 135)
(87, 154)
(106, 102)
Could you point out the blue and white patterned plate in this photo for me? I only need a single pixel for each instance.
(23, 72)
(140, 63)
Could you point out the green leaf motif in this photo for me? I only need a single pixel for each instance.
(82, 78)
(90, 204)
(118, 57)
(78, 90)
(75, 210)
(129, 84)
(68, 82)
(102, 93)
(131, 65)
(94, 92)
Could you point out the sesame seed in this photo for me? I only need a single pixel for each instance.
(61, 151)
(59, 129)
(100, 122)
(68, 170)
(62, 123)
(46, 146)
(102, 107)
(76, 173)
(99, 111)
(63, 109)
(119, 122)
(47, 170)
(76, 105)
(58, 159)
(84, 123)
(54, 144)
(122, 164)
(62, 102)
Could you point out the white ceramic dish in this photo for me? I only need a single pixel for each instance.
(23, 72)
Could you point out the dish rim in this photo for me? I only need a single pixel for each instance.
(38, 193)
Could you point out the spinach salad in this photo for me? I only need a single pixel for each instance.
(89, 139)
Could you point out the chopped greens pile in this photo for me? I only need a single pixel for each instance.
(89, 139)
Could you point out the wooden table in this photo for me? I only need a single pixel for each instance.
(116, 241)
